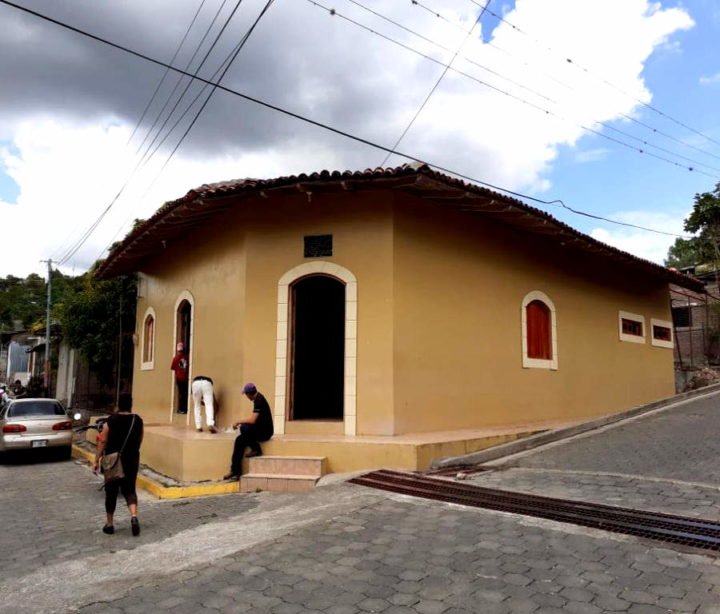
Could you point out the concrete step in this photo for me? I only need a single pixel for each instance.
(311, 466)
(252, 482)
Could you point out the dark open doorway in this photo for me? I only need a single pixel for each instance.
(318, 349)
(184, 324)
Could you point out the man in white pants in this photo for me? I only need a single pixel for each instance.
(202, 391)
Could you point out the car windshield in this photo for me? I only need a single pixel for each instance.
(35, 408)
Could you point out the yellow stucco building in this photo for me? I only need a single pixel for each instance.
(378, 306)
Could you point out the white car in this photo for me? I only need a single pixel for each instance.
(29, 424)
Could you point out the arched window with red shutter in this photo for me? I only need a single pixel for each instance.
(539, 332)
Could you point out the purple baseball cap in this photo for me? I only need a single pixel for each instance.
(249, 388)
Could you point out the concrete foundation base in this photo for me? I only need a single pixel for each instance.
(188, 456)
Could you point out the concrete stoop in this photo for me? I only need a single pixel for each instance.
(283, 473)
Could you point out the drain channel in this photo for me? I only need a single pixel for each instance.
(664, 527)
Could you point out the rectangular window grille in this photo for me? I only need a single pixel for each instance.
(632, 327)
(662, 333)
(317, 246)
(682, 316)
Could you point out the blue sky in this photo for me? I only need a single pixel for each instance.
(617, 181)
(69, 106)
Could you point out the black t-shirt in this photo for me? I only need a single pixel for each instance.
(264, 423)
(119, 424)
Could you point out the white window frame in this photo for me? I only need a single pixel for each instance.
(636, 317)
(338, 272)
(539, 363)
(149, 365)
(661, 343)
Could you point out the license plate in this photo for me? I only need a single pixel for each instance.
(39, 443)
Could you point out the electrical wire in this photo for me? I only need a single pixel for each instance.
(447, 49)
(63, 248)
(437, 83)
(167, 71)
(601, 79)
(335, 13)
(145, 159)
(189, 83)
(327, 127)
(489, 43)
(222, 70)
(605, 124)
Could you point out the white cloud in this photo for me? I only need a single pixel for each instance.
(648, 245)
(69, 169)
(592, 155)
(711, 80)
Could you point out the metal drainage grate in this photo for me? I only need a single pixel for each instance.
(664, 527)
(459, 470)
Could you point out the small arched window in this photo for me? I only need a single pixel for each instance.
(539, 338)
(148, 340)
(539, 332)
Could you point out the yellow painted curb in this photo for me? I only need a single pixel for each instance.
(171, 492)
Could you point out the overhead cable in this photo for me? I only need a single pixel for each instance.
(590, 73)
(327, 127)
(334, 13)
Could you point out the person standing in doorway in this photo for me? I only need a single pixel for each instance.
(180, 366)
(258, 427)
(202, 393)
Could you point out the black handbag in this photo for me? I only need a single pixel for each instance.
(111, 464)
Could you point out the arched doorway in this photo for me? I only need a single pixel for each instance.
(183, 334)
(317, 348)
(184, 323)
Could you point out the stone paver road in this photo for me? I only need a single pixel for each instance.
(346, 549)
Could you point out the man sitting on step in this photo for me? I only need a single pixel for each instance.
(258, 427)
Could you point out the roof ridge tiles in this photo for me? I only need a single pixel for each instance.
(122, 259)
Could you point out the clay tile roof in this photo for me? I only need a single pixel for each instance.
(175, 218)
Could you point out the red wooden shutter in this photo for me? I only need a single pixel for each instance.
(539, 340)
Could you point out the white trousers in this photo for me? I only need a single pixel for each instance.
(202, 390)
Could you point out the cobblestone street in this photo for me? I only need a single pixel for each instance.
(347, 549)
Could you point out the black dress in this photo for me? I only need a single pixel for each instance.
(119, 425)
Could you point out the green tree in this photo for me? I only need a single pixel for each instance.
(91, 319)
(22, 300)
(704, 223)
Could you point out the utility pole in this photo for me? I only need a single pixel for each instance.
(47, 329)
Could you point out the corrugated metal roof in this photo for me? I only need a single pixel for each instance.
(175, 217)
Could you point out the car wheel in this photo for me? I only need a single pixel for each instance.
(65, 453)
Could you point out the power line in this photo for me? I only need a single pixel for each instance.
(335, 13)
(145, 159)
(437, 83)
(167, 71)
(63, 249)
(586, 70)
(234, 55)
(444, 48)
(491, 44)
(327, 127)
(605, 124)
(625, 116)
(190, 81)
(224, 67)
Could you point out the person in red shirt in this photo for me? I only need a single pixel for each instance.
(180, 366)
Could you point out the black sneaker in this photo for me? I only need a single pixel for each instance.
(135, 526)
(231, 476)
(108, 529)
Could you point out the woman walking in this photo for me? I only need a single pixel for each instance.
(123, 432)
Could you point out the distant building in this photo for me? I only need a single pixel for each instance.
(696, 319)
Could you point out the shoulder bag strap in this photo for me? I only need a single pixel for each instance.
(128, 435)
